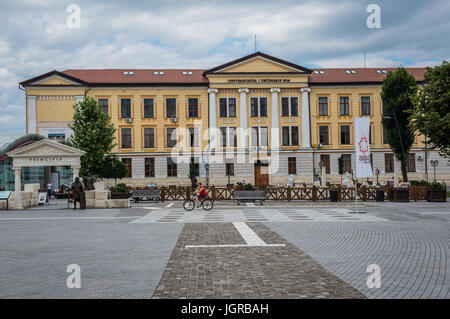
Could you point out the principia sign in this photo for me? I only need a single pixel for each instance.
(256, 81)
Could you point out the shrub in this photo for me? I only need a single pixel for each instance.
(120, 188)
(437, 186)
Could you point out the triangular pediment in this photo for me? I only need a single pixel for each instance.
(53, 78)
(259, 63)
(45, 147)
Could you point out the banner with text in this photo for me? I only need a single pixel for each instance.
(362, 148)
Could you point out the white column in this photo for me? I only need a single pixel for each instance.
(18, 188)
(31, 101)
(275, 132)
(212, 119)
(75, 171)
(306, 131)
(243, 118)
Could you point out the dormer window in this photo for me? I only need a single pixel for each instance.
(187, 72)
(381, 71)
(350, 71)
(128, 72)
(158, 72)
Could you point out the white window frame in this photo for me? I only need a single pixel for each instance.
(196, 136)
(228, 107)
(290, 135)
(258, 108)
(228, 137)
(259, 135)
(290, 106)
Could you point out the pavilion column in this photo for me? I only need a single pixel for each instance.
(18, 188)
(243, 139)
(212, 119)
(76, 171)
(31, 103)
(306, 131)
(275, 132)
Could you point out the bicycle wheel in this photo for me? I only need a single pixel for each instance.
(189, 205)
(208, 204)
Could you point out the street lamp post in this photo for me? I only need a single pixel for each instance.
(434, 163)
(320, 177)
(377, 172)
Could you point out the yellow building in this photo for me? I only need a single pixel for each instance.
(257, 118)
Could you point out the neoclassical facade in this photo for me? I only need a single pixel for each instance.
(257, 118)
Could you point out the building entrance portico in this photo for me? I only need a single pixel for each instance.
(43, 153)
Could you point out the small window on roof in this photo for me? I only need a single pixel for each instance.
(128, 72)
(158, 72)
(187, 72)
(321, 72)
(348, 71)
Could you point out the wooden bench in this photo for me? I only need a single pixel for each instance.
(241, 195)
(148, 194)
(5, 196)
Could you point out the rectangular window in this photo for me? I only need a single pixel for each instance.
(384, 136)
(171, 108)
(345, 134)
(347, 160)
(389, 162)
(323, 106)
(193, 107)
(228, 137)
(150, 167)
(365, 105)
(258, 107)
(323, 135)
(149, 137)
(148, 109)
(171, 167)
(125, 108)
(325, 159)
(230, 169)
(259, 136)
(126, 137)
(227, 107)
(412, 162)
(344, 105)
(103, 104)
(290, 135)
(193, 137)
(171, 133)
(127, 162)
(292, 165)
(289, 106)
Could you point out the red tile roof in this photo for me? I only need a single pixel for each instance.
(362, 75)
(141, 76)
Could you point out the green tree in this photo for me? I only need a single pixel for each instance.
(113, 167)
(93, 133)
(396, 92)
(431, 114)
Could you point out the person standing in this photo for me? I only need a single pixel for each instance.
(77, 191)
(49, 190)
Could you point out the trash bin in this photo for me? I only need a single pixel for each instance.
(380, 195)
(83, 200)
(333, 195)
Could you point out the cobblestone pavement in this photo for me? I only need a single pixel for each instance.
(413, 257)
(117, 259)
(244, 272)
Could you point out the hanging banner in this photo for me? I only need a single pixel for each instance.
(362, 148)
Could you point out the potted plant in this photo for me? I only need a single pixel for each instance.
(436, 193)
(120, 192)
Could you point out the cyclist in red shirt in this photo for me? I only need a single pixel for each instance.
(201, 193)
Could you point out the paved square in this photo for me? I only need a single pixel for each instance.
(161, 251)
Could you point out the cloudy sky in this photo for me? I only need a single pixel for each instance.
(35, 37)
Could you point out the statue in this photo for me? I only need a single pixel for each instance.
(291, 181)
(347, 181)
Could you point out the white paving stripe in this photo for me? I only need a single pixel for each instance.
(65, 218)
(170, 205)
(247, 234)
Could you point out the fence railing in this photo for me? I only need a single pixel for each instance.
(313, 193)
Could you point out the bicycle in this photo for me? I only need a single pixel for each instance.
(206, 203)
